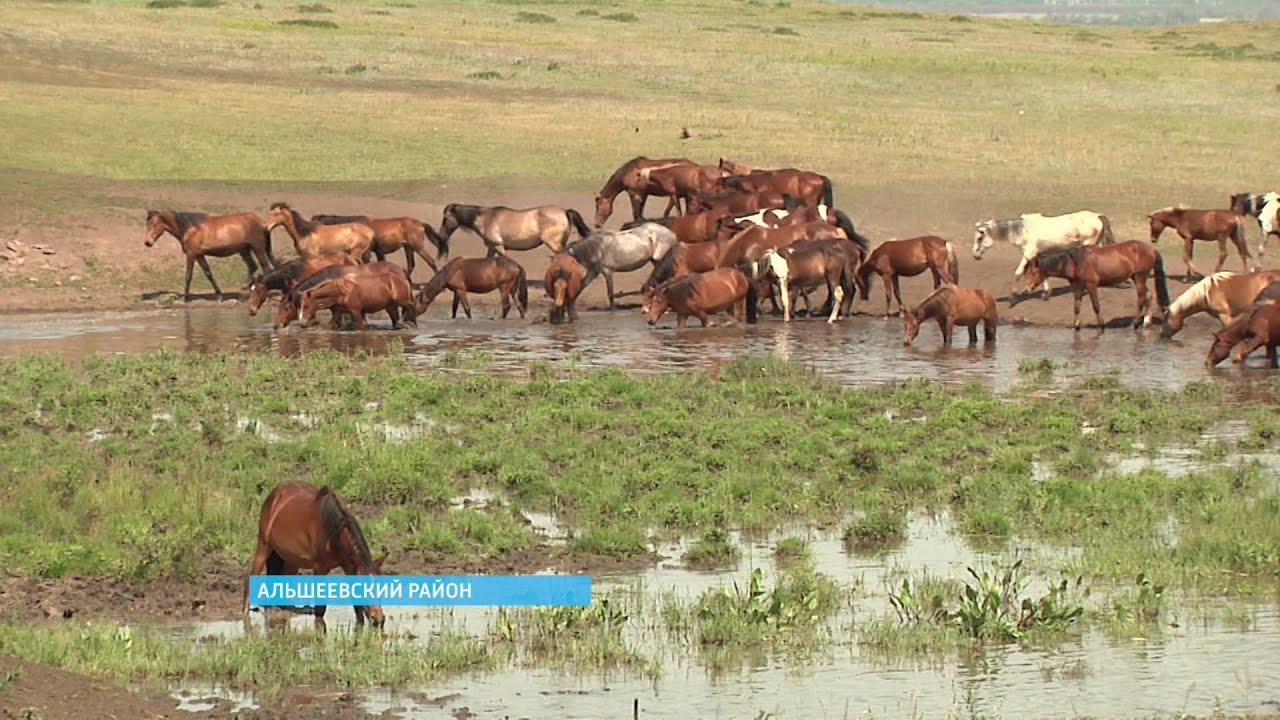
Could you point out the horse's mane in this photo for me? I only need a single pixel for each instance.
(931, 300)
(185, 220)
(437, 282)
(465, 214)
(1196, 293)
(1046, 262)
(615, 180)
(281, 274)
(321, 275)
(664, 268)
(334, 517)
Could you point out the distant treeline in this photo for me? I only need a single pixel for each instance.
(1113, 12)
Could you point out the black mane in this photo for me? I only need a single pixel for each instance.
(335, 517)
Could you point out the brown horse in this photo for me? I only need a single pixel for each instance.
(805, 266)
(952, 305)
(751, 244)
(392, 234)
(198, 235)
(503, 228)
(634, 177)
(285, 277)
(683, 259)
(1192, 225)
(1090, 267)
(1269, 294)
(313, 238)
(303, 527)
(1258, 328)
(1223, 295)
(704, 294)
(806, 188)
(682, 181)
(735, 202)
(909, 257)
(689, 228)
(563, 284)
(478, 275)
(368, 288)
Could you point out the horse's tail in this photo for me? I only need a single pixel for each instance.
(1162, 284)
(576, 218)
(953, 263)
(441, 242)
(846, 284)
(1106, 237)
(826, 192)
(522, 288)
(863, 277)
(753, 299)
(845, 223)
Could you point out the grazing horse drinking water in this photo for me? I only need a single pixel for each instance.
(704, 294)
(285, 277)
(563, 283)
(635, 177)
(1036, 234)
(199, 234)
(304, 527)
(478, 275)
(1192, 225)
(392, 234)
(908, 257)
(605, 252)
(368, 288)
(313, 238)
(1259, 328)
(1224, 295)
(1088, 268)
(502, 228)
(952, 305)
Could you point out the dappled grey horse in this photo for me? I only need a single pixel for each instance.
(605, 252)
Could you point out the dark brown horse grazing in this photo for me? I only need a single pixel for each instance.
(1089, 267)
(304, 527)
(634, 177)
(952, 305)
(563, 284)
(909, 257)
(392, 234)
(807, 188)
(1192, 225)
(704, 294)
(312, 238)
(365, 289)
(285, 277)
(478, 275)
(198, 235)
(1257, 328)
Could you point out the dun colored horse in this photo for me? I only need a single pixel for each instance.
(806, 267)
(502, 228)
(1192, 225)
(285, 277)
(478, 275)
(701, 295)
(634, 176)
(1223, 295)
(392, 234)
(1090, 267)
(198, 235)
(313, 238)
(952, 305)
(303, 527)
(563, 283)
(370, 288)
(909, 257)
(1258, 328)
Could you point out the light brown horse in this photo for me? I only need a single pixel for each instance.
(633, 176)
(366, 289)
(563, 284)
(1090, 267)
(806, 188)
(392, 234)
(304, 527)
(503, 228)
(285, 277)
(908, 257)
(199, 234)
(952, 305)
(1192, 225)
(701, 295)
(313, 238)
(1223, 295)
(805, 266)
(478, 275)
(1259, 327)
(683, 259)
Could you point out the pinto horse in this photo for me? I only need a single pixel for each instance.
(1223, 295)
(1259, 328)
(806, 267)
(952, 305)
(478, 275)
(634, 176)
(1252, 204)
(1036, 234)
(563, 283)
(313, 238)
(392, 234)
(605, 252)
(365, 289)
(198, 235)
(909, 257)
(285, 277)
(304, 527)
(702, 295)
(502, 228)
(1088, 268)
(1192, 225)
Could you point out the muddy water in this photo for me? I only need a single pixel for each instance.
(860, 350)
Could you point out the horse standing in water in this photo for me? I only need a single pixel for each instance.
(952, 305)
(1223, 295)
(478, 275)
(909, 257)
(370, 288)
(1088, 268)
(304, 527)
(605, 252)
(312, 238)
(563, 283)
(392, 234)
(1259, 328)
(634, 177)
(807, 267)
(198, 235)
(285, 277)
(1192, 225)
(704, 294)
(502, 228)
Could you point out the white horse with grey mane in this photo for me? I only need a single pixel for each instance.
(1034, 233)
(605, 252)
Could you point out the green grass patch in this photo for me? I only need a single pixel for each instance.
(713, 549)
(622, 17)
(309, 23)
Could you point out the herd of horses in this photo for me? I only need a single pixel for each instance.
(731, 237)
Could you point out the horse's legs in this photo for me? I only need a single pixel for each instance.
(461, 295)
(204, 265)
(1097, 308)
(186, 292)
(1186, 258)
(704, 317)
(681, 321)
(637, 204)
(1272, 356)
(888, 292)
(1143, 317)
(505, 292)
(455, 304)
(256, 566)
(393, 312)
(1078, 297)
(897, 293)
(784, 291)
(989, 327)
(357, 315)
(1222, 255)
(973, 334)
(947, 327)
(608, 285)
(672, 202)
(1251, 343)
(246, 254)
(408, 262)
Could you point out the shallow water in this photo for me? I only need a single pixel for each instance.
(858, 350)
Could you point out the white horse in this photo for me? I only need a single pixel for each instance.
(605, 252)
(1034, 233)
(1269, 221)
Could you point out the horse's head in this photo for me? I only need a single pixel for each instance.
(374, 612)
(1172, 324)
(656, 303)
(1034, 274)
(1239, 203)
(257, 295)
(278, 214)
(449, 221)
(604, 208)
(1219, 350)
(155, 227)
(910, 327)
(1157, 223)
(982, 237)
